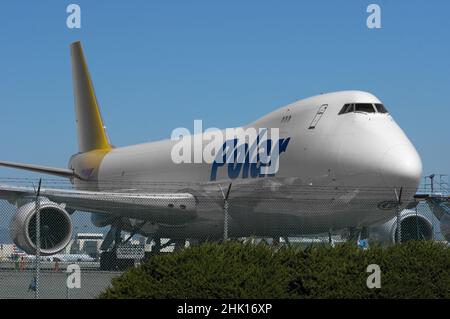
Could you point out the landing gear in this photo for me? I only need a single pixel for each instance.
(110, 262)
(113, 242)
(108, 258)
(156, 249)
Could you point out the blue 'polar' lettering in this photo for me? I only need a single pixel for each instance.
(241, 163)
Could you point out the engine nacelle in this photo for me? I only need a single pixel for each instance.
(413, 227)
(445, 227)
(55, 227)
(440, 206)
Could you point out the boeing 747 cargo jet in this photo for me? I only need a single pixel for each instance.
(342, 160)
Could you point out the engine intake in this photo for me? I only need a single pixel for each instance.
(55, 227)
(413, 227)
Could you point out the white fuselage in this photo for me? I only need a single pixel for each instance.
(335, 172)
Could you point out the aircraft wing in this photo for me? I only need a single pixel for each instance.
(155, 207)
(61, 172)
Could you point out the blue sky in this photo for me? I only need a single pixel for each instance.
(157, 65)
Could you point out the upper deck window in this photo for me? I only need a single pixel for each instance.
(363, 107)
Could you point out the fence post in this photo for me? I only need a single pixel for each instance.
(399, 227)
(399, 224)
(38, 242)
(225, 211)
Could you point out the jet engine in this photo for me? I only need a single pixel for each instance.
(440, 206)
(445, 227)
(414, 226)
(55, 227)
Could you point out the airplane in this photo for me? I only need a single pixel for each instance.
(344, 163)
(61, 257)
(71, 257)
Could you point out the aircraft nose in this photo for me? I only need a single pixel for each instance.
(401, 167)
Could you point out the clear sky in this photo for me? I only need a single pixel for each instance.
(158, 65)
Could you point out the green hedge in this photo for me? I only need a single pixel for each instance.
(236, 270)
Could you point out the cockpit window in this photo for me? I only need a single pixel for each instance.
(380, 108)
(347, 108)
(363, 107)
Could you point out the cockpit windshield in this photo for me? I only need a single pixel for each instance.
(363, 107)
(380, 108)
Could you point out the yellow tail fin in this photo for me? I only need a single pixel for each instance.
(91, 132)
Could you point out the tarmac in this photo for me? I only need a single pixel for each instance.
(15, 284)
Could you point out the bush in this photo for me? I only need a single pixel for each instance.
(238, 270)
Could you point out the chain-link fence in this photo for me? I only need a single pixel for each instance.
(60, 242)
